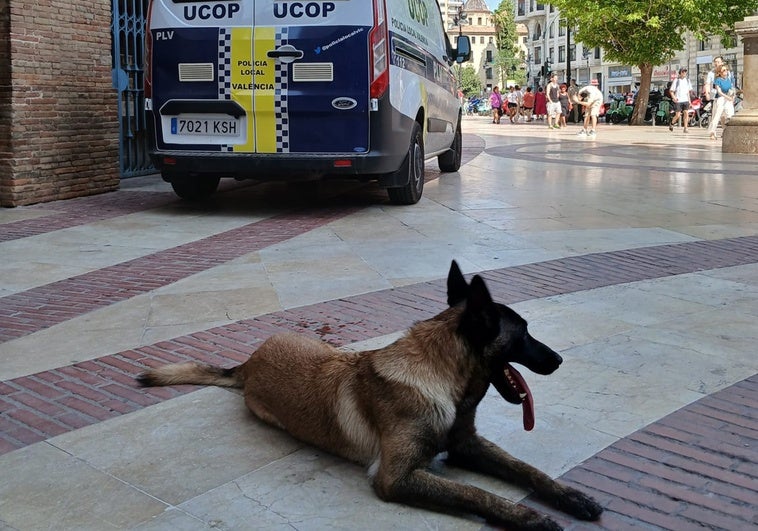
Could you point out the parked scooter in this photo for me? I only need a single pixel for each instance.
(706, 111)
(619, 110)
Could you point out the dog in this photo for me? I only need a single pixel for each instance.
(396, 408)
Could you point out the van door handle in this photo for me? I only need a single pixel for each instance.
(286, 53)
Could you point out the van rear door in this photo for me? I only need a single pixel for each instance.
(261, 76)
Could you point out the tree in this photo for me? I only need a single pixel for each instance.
(469, 81)
(509, 59)
(646, 33)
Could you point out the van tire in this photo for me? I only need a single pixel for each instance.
(411, 171)
(450, 161)
(194, 188)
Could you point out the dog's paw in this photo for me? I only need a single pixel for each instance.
(579, 505)
(543, 523)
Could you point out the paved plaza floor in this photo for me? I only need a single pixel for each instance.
(634, 254)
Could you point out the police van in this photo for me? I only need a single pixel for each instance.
(280, 89)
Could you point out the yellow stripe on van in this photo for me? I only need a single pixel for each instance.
(242, 92)
(263, 94)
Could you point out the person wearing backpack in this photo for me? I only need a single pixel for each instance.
(681, 92)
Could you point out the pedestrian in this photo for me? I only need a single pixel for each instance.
(528, 102)
(573, 90)
(723, 106)
(512, 99)
(519, 102)
(591, 99)
(496, 102)
(563, 97)
(540, 104)
(681, 93)
(553, 103)
(709, 90)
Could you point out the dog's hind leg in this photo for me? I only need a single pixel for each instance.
(478, 454)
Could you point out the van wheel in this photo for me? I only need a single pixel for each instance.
(413, 169)
(194, 188)
(450, 161)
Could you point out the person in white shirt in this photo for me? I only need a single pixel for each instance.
(591, 99)
(681, 91)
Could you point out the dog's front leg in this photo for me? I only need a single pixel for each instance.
(421, 488)
(477, 453)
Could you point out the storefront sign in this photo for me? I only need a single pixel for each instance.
(663, 73)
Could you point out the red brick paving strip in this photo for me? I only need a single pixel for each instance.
(29, 311)
(81, 210)
(696, 468)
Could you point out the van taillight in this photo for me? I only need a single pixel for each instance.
(377, 38)
(147, 63)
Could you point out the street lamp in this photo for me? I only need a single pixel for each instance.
(460, 19)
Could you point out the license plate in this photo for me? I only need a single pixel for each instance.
(205, 127)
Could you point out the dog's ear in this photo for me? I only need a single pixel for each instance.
(479, 299)
(457, 288)
(479, 322)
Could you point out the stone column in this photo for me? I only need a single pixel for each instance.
(741, 133)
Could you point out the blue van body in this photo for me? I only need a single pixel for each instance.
(293, 90)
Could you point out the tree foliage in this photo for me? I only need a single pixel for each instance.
(469, 81)
(646, 33)
(509, 58)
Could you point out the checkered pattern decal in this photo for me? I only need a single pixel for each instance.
(225, 70)
(280, 96)
(224, 64)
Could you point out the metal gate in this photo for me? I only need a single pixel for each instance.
(128, 31)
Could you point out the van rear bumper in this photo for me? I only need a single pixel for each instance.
(277, 166)
(390, 140)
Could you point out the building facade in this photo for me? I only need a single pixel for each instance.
(478, 24)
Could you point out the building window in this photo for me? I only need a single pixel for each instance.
(597, 52)
(481, 40)
(479, 21)
(552, 31)
(488, 73)
(572, 52)
(538, 55)
(562, 28)
(488, 56)
(561, 54)
(521, 8)
(537, 32)
(491, 41)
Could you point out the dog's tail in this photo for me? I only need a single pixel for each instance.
(191, 373)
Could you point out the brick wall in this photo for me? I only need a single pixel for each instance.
(5, 96)
(64, 126)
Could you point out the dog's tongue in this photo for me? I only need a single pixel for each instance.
(527, 404)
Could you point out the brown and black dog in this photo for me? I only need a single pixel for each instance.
(394, 409)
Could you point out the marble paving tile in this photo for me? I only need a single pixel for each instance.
(44, 487)
(312, 491)
(177, 450)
